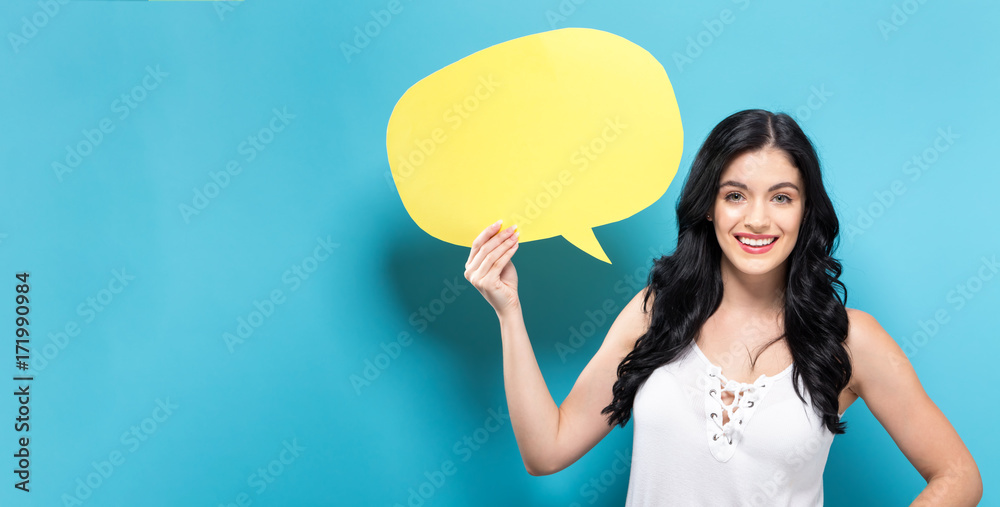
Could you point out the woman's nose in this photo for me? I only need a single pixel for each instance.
(756, 217)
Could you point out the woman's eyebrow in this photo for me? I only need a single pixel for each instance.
(732, 183)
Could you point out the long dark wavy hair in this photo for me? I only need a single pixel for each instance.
(687, 284)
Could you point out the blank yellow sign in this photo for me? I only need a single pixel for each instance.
(558, 132)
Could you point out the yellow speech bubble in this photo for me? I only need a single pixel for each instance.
(558, 132)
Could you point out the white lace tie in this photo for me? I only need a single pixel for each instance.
(725, 437)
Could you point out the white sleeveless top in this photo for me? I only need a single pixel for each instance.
(771, 451)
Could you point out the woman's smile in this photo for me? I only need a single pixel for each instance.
(755, 243)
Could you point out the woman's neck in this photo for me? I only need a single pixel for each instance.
(753, 294)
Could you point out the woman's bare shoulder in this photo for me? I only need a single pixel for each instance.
(863, 330)
(872, 350)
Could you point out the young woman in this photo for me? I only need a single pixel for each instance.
(739, 357)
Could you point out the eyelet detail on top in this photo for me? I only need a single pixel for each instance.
(717, 435)
(739, 410)
(746, 398)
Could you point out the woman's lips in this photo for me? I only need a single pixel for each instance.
(756, 249)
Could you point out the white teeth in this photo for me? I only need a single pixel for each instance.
(755, 242)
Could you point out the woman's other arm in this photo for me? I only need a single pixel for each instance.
(885, 379)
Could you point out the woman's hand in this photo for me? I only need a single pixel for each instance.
(489, 267)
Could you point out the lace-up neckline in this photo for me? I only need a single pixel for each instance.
(725, 422)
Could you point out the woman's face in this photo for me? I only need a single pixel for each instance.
(760, 201)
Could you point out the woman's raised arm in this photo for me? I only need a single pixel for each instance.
(549, 437)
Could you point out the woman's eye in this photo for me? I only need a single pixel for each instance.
(780, 198)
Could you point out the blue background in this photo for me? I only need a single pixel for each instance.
(324, 176)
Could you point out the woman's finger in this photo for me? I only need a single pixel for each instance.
(489, 262)
(482, 238)
(505, 258)
(486, 248)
